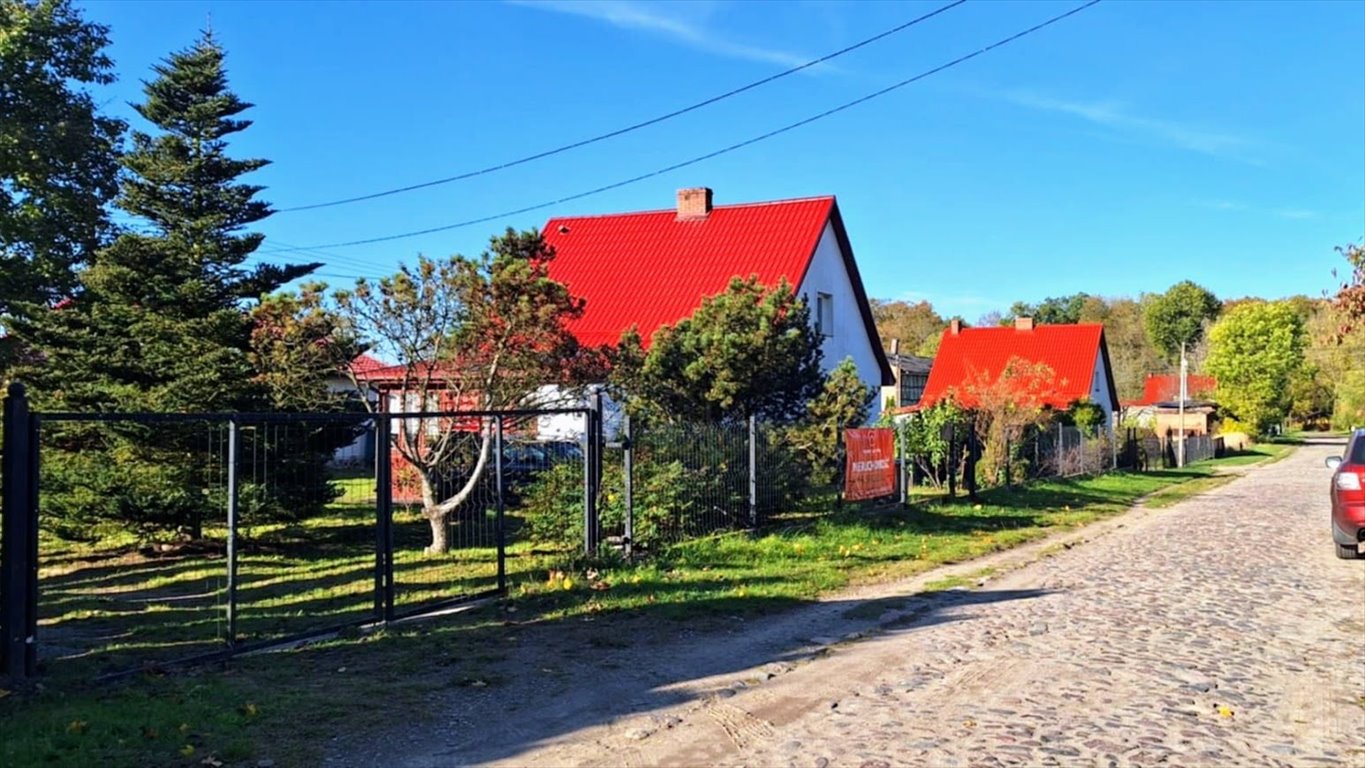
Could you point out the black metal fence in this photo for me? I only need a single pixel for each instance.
(144, 539)
(666, 483)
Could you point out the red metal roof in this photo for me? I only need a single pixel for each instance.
(650, 269)
(1165, 388)
(1069, 350)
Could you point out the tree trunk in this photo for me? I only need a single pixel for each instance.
(440, 533)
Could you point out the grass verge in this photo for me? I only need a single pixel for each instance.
(285, 707)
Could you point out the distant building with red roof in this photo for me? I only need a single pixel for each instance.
(1165, 388)
(1077, 355)
(653, 268)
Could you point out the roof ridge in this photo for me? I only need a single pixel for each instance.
(755, 204)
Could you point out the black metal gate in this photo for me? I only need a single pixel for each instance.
(289, 527)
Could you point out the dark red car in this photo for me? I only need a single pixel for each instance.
(1348, 497)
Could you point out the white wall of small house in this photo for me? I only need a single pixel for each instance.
(828, 275)
(1099, 389)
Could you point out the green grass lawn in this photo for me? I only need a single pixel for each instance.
(284, 705)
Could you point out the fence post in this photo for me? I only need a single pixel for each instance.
(500, 532)
(592, 472)
(753, 471)
(904, 476)
(17, 649)
(628, 446)
(233, 499)
(383, 506)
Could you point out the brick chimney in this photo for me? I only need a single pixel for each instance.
(694, 203)
(1023, 323)
(955, 327)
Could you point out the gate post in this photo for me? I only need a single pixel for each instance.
(233, 499)
(383, 503)
(628, 446)
(592, 475)
(501, 508)
(18, 566)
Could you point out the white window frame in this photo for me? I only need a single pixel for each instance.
(824, 314)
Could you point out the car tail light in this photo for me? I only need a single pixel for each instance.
(1348, 481)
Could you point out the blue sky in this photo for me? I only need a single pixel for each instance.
(1131, 146)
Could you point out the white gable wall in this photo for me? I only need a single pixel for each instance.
(1099, 389)
(827, 274)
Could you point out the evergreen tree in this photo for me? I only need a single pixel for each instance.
(160, 321)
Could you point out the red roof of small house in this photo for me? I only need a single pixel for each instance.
(972, 354)
(654, 268)
(1165, 388)
(365, 364)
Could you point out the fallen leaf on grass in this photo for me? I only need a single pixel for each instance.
(187, 750)
(212, 762)
(77, 726)
(248, 709)
(600, 586)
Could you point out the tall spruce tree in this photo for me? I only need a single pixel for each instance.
(160, 323)
(161, 319)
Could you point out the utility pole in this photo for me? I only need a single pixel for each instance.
(1184, 370)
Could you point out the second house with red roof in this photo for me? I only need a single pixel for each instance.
(653, 268)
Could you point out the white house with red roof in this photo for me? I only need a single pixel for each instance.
(1077, 355)
(361, 450)
(653, 268)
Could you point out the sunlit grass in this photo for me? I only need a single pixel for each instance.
(254, 709)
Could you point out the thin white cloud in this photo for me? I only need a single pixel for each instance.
(1114, 115)
(1295, 213)
(662, 19)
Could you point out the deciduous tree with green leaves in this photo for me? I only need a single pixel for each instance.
(1054, 310)
(750, 350)
(58, 154)
(1178, 317)
(1254, 351)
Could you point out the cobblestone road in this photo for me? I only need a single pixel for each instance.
(1222, 631)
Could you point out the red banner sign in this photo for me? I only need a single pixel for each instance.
(871, 470)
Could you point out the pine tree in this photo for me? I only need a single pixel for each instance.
(161, 319)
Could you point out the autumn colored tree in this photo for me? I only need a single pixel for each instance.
(1002, 407)
(1350, 298)
(911, 323)
(468, 334)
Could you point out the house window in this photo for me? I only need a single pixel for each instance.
(824, 314)
(912, 387)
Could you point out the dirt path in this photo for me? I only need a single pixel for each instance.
(1217, 631)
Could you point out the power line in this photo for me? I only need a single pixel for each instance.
(719, 152)
(629, 128)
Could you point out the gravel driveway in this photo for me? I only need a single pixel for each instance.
(1220, 631)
